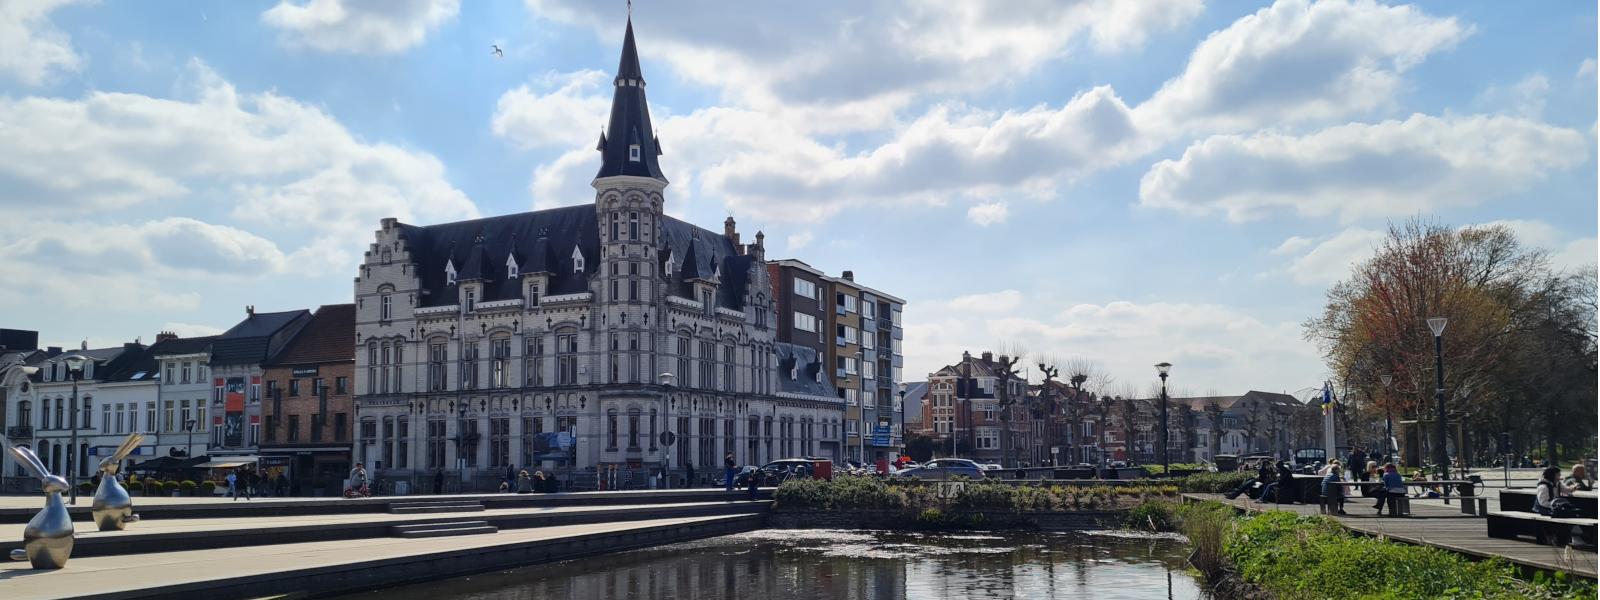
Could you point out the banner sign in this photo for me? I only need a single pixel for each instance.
(881, 435)
(233, 415)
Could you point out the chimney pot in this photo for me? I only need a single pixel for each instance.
(850, 275)
(988, 356)
(250, 310)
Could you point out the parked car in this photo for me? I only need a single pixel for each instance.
(990, 467)
(945, 468)
(775, 472)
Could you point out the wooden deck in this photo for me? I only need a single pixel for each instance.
(1443, 526)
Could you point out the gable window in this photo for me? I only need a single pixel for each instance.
(577, 260)
(449, 272)
(471, 298)
(633, 152)
(533, 295)
(511, 267)
(383, 307)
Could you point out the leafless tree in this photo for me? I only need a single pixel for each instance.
(1005, 366)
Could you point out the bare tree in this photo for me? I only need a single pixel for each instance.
(1005, 366)
(1213, 412)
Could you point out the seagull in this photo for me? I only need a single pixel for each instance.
(497, 52)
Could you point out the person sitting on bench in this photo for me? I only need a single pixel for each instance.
(1263, 479)
(1546, 492)
(1332, 492)
(1578, 481)
(1394, 485)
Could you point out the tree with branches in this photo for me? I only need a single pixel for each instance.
(1213, 412)
(1006, 371)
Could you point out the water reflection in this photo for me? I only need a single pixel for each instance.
(859, 565)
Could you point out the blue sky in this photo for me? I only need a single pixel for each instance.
(1125, 182)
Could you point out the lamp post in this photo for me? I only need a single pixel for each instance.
(666, 378)
(188, 426)
(1161, 369)
(6, 375)
(902, 412)
(75, 368)
(1388, 415)
(1436, 324)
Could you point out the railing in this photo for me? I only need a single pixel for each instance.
(20, 432)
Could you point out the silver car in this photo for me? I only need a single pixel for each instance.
(945, 469)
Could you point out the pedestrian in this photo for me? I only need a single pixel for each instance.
(438, 481)
(1358, 459)
(689, 473)
(753, 481)
(282, 484)
(1394, 486)
(728, 470)
(1578, 481)
(1332, 491)
(233, 485)
(358, 479)
(524, 482)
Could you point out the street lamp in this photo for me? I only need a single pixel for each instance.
(1161, 369)
(902, 421)
(669, 439)
(75, 368)
(188, 426)
(1436, 324)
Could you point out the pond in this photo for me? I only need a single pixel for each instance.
(864, 565)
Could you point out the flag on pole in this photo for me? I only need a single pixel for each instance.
(1327, 397)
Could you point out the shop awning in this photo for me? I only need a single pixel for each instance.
(227, 462)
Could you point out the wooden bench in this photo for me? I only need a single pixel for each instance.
(1508, 525)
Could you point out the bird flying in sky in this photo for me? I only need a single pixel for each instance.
(497, 52)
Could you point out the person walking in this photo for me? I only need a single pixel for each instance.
(728, 469)
(233, 485)
(1357, 459)
(438, 481)
(689, 473)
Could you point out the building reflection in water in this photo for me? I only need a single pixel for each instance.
(853, 565)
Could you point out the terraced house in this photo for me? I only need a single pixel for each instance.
(594, 337)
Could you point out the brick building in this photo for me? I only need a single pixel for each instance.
(307, 416)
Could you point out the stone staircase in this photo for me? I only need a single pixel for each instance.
(438, 506)
(429, 530)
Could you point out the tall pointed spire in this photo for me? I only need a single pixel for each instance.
(629, 146)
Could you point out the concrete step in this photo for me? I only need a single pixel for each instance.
(413, 508)
(428, 530)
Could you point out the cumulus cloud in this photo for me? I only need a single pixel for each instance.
(797, 241)
(169, 247)
(1332, 259)
(361, 26)
(567, 111)
(1213, 346)
(988, 213)
(1297, 60)
(32, 50)
(848, 65)
(1566, 252)
(1003, 301)
(1392, 168)
(1524, 98)
(1293, 245)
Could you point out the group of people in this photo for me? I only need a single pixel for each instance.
(249, 481)
(528, 484)
(1551, 491)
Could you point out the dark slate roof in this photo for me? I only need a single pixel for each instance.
(193, 345)
(630, 122)
(257, 338)
(810, 365)
(134, 363)
(546, 238)
(328, 337)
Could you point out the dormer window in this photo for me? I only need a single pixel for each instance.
(471, 297)
(511, 267)
(672, 257)
(819, 375)
(794, 371)
(577, 260)
(633, 152)
(449, 272)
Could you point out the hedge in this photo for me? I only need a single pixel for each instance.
(854, 493)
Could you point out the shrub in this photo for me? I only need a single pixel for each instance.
(1206, 525)
(987, 496)
(1296, 557)
(844, 492)
(208, 488)
(1159, 515)
(1213, 483)
(155, 488)
(85, 487)
(188, 487)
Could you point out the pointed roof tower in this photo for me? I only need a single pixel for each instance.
(629, 146)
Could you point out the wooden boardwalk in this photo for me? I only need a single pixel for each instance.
(1443, 526)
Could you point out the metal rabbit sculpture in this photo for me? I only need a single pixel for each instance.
(47, 540)
(113, 508)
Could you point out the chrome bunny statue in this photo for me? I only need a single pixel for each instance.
(47, 540)
(113, 508)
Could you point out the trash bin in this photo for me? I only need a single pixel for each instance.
(822, 469)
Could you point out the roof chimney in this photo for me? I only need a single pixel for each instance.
(730, 229)
(988, 356)
(165, 335)
(850, 275)
(83, 345)
(249, 310)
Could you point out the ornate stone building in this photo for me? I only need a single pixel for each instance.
(603, 335)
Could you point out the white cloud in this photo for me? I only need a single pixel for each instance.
(172, 247)
(1566, 253)
(569, 114)
(1585, 68)
(831, 66)
(1525, 98)
(363, 26)
(1296, 61)
(260, 154)
(1392, 168)
(797, 241)
(1332, 259)
(1212, 346)
(1293, 245)
(988, 213)
(32, 50)
(1003, 301)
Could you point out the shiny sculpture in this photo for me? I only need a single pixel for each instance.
(47, 540)
(113, 508)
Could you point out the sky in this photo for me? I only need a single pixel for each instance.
(1125, 182)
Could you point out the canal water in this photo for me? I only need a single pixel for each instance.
(862, 565)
